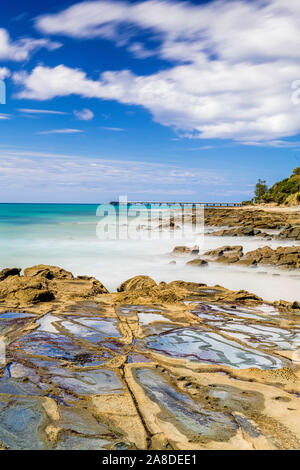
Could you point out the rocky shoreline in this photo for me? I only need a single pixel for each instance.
(281, 257)
(162, 366)
(246, 222)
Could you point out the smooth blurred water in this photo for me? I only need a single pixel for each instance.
(65, 235)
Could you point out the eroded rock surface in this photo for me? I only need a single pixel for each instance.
(190, 367)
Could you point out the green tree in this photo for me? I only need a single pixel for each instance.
(296, 171)
(260, 189)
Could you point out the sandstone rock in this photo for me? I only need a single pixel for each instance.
(185, 250)
(254, 218)
(181, 250)
(238, 232)
(244, 295)
(46, 283)
(48, 272)
(291, 307)
(186, 285)
(137, 283)
(197, 262)
(256, 256)
(80, 289)
(21, 290)
(292, 232)
(228, 258)
(195, 250)
(282, 257)
(9, 272)
(226, 254)
(163, 293)
(212, 294)
(218, 252)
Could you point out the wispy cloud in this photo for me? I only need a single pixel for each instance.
(40, 111)
(113, 129)
(61, 131)
(21, 49)
(5, 116)
(204, 147)
(275, 144)
(76, 169)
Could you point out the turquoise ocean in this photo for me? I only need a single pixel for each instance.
(66, 235)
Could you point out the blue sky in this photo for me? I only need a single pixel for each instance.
(158, 100)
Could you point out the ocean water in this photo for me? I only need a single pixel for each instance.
(66, 235)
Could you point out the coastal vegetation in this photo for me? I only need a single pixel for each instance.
(286, 191)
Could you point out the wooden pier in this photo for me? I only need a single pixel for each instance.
(168, 203)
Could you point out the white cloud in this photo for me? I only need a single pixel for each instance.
(275, 143)
(50, 174)
(86, 19)
(139, 51)
(204, 147)
(236, 30)
(4, 116)
(61, 131)
(40, 111)
(176, 97)
(4, 73)
(21, 49)
(84, 114)
(113, 129)
(233, 64)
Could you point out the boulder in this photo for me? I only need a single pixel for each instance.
(226, 254)
(21, 290)
(9, 272)
(46, 283)
(143, 290)
(197, 262)
(137, 283)
(195, 250)
(244, 295)
(290, 232)
(256, 256)
(282, 257)
(48, 272)
(185, 250)
(229, 258)
(80, 288)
